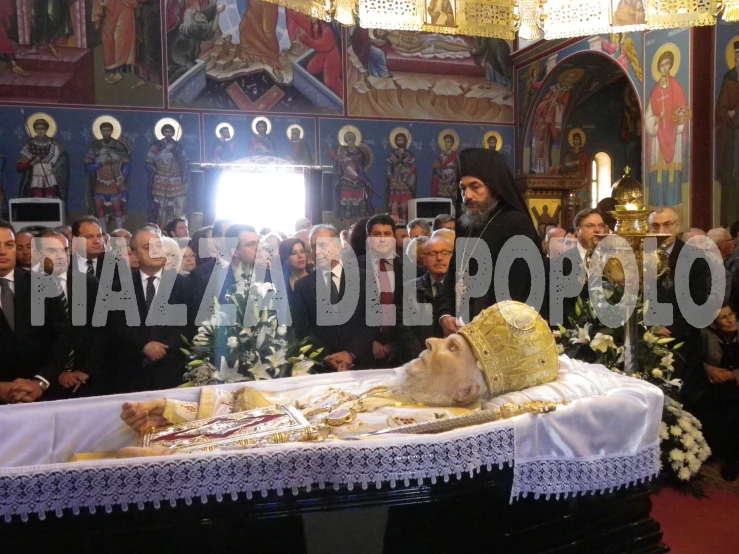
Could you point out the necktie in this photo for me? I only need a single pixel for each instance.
(65, 306)
(90, 267)
(332, 287)
(387, 298)
(437, 288)
(150, 292)
(7, 299)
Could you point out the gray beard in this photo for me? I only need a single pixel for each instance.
(476, 220)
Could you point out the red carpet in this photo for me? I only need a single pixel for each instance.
(698, 525)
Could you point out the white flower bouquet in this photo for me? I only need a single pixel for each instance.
(255, 347)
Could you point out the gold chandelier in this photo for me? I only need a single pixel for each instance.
(531, 19)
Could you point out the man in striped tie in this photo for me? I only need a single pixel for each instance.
(82, 371)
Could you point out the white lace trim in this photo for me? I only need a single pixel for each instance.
(108, 483)
(580, 476)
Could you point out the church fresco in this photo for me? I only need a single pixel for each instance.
(667, 116)
(81, 52)
(727, 120)
(252, 56)
(371, 169)
(75, 132)
(419, 75)
(287, 139)
(536, 78)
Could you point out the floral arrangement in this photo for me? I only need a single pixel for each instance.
(683, 447)
(255, 347)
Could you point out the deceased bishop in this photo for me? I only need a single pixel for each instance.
(508, 347)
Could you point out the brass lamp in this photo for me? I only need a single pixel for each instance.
(632, 225)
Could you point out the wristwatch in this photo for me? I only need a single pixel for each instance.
(43, 385)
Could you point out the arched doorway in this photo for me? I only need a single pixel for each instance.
(586, 104)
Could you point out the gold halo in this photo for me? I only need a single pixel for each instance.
(168, 121)
(345, 129)
(227, 126)
(669, 47)
(398, 130)
(730, 52)
(578, 72)
(50, 132)
(106, 119)
(257, 120)
(582, 134)
(440, 139)
(295, 126)
(495, 134)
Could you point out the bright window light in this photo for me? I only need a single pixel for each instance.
(262, 199)
(601, 183)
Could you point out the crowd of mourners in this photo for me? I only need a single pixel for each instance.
(73, 353)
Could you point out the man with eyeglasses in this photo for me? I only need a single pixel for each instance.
(588, 223)
(437, 253)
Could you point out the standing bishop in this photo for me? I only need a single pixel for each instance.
(490, 211)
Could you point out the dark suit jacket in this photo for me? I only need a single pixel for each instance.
(134, 371)
(89, 342)
(508, 223)
(201, 275)
(354, 336)
(406, 345)
(422, 289)
(34, 350)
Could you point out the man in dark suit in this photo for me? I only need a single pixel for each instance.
(239, 266)
(31, 356)
(88, 228)
(82, 377)
(427, 288)
(667, 221)
(393, 343)
(348, 345)
(147, 353)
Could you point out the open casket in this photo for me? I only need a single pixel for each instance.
(606, 438)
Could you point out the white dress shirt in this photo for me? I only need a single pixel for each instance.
(145, 281)
(82, 264)
(10, 277)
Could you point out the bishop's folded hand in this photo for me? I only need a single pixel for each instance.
(141, 416)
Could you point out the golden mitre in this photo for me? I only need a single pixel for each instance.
(514, 347)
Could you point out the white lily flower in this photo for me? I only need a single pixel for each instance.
(229, 374)
(261, 337)
(282, 330)
(302, 367)
(259, 371)
(667, 360)
(601, 343)
(277, 358)
(656, 373)
(232, 342)
(583, 335)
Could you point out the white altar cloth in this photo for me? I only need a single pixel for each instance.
(607, 437)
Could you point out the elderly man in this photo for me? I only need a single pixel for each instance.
(437, 253)
(553, 232)
(443, 221)
(493, 211)
(461, 370)
(692, 232)
(147, 353)
(418, 228)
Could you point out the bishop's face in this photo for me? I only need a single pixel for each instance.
(442, 374)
